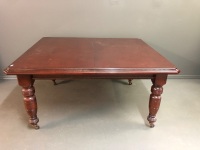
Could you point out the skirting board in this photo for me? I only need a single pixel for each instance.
(169, 77)
(184, 77)
(8, 77)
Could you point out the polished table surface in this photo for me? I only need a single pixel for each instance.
(62, 57)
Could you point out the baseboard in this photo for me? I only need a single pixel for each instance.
(184, 77)
(169, 77)
(8, 77)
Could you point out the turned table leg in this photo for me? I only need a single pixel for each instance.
(130, 81)
(155, 97)
(54, 81)
(30, 101)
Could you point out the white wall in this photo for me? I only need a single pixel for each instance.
(171, 27)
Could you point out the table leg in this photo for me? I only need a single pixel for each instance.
(130, 81)
(54, 81)
(30, 101)
(155, 97)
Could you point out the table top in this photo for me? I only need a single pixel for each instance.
(62, 55)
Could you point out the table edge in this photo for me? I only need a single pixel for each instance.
(78, 71)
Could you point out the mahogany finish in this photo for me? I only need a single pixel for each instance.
(59, 57)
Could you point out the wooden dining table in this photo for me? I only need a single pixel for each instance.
(92, 58)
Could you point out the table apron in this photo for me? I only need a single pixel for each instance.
(138, 76)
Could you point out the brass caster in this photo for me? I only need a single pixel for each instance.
(36, 127)
(152, 125)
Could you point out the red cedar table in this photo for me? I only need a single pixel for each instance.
(121, 58)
